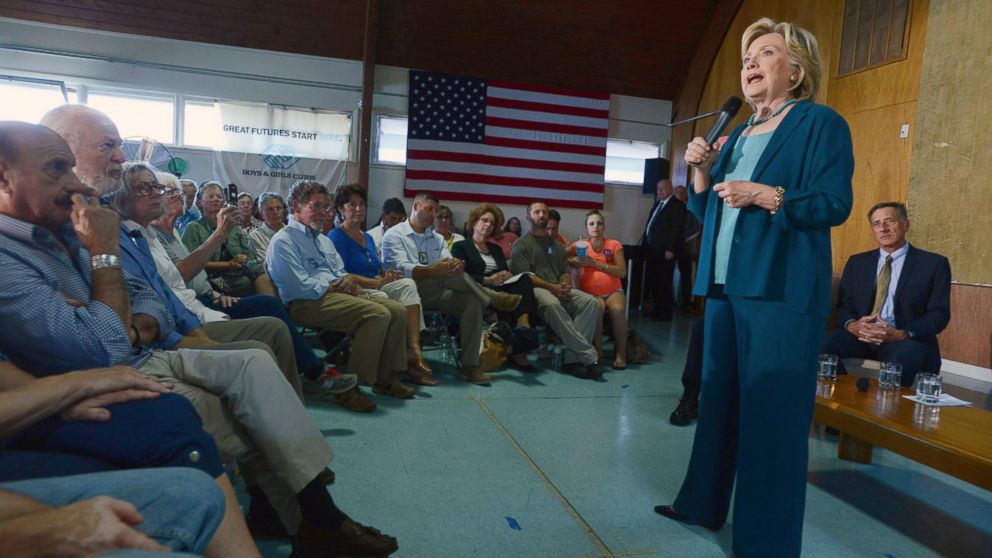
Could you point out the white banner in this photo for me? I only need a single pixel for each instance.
(274, 172)
(259, 128)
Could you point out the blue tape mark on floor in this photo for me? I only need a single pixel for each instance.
(625, 386)
(512, 523)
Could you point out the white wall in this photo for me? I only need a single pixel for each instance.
(186, 68)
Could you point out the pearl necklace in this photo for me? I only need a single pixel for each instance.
(752, 122)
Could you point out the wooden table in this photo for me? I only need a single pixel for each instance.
(955, 440)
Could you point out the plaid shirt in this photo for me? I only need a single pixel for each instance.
(45, 334)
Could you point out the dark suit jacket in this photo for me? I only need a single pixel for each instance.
(475, 266)
(666, 236)
(922, 298)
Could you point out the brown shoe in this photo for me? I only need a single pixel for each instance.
(352, 539)
(419, 365)
(355, 400)
(473, 375)
(505, 302)
(394, 389)
(420, 378)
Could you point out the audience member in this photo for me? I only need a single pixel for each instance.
(554, 226)
(101, 420)
(892, 301)
(361, 260)
(190, 211)
(422, 255)
(664, 242)
(66, 280)
(601, 270)
(571, 313)
(443, 222)
(311, 278)
(273, 209)
(504, 239)
(485, 263)
(513, 226)
(393, 213)
(230, 269)
(246, 216)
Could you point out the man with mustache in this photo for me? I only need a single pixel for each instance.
(66, 285)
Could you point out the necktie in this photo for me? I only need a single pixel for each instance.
(882, 285)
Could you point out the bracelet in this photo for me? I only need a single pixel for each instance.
(779, 198)
(137, 336)
(101, 261)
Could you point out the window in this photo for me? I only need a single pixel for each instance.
(137, 114)
(29, 100)
(261, 128)
(625, 160)
(874, 33)
(390, 140)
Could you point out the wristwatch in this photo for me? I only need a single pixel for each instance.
(101, 261)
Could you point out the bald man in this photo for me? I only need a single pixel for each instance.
(664, 242)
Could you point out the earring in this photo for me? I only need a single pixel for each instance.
(792, 78)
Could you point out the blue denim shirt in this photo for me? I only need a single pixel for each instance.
(136, 256)
(50, 324)
(302, 263)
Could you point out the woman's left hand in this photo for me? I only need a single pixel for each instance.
(585, 261)
(742, 193)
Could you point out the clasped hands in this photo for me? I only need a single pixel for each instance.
(875, 331)
(497, 278)
(447, 267)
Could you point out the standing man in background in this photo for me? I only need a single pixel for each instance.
(663, 242)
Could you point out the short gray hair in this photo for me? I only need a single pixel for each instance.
(121, 199)
(900, 207)
(303, 189)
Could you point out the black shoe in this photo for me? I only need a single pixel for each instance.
(685, 413)
(263, 521)
(591, 372)
(669, 512)
(352, 539)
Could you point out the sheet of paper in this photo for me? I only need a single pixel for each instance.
(945, 401)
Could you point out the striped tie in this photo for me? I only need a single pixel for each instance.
(882, 285)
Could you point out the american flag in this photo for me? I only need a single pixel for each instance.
(473, 139)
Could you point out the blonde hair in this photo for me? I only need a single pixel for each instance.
(801, 47)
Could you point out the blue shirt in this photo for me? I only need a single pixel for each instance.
(744, 158)
(45, 334)
(357, 260)
(302, 263)
(404, 249)
(888, 311)
(136, 256)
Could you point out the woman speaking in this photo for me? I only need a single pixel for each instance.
(767, 201)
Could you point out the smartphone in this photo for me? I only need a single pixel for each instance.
(232, 194)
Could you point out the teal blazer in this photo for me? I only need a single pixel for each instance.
(784, 257)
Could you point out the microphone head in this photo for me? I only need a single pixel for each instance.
(732, 105)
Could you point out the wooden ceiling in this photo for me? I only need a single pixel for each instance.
(631, 47)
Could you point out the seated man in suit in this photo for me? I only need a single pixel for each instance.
(893, 301)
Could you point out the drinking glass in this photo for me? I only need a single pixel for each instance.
(889, 375)
(928, 387)
(828, 368)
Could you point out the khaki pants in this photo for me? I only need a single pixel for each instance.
(574, 322)
(378, 325)
(254, 415)
(239, 334)
(463, 297)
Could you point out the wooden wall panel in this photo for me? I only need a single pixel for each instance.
(875, 103)
(968, 338)
(628, 47)
(949, 187)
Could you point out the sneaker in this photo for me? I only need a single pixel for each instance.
(331, 382)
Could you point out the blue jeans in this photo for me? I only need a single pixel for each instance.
(181, 507)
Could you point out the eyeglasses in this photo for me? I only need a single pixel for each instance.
(317, 206)
(486, 220)
(146, 189)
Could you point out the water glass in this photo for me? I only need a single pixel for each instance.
(890, 375)
(928, 387)
(828, 368)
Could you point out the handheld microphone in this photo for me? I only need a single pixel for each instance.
(727, 113)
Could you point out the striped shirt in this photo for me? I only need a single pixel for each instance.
(50, 324)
